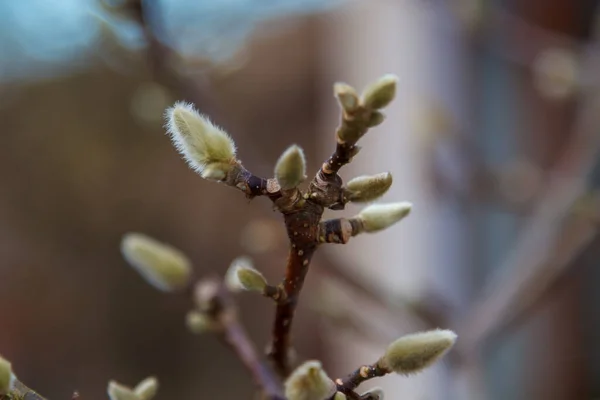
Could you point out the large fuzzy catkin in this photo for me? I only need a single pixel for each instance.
(415, 352)
(203, 145)
(162, 265)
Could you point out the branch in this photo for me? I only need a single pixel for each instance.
(21, 391)
(215, 300)
(360, 376)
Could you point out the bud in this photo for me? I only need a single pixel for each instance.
(339, 396)
(198, 322)
(198, 140)
(374, 394)
(231, 280)
(380, 93)
(251, 279)
(413, 353)
(290, 168)
(216, 171)
(309, 382)
(347, 96)
(376, 118)
(368, 188)
(380, 216)
(7, 378)
(163, 266)
(116, 391)
(146, 389)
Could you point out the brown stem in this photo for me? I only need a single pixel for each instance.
(359, 376)
(21, 391)
(339, 230)
(213, 298)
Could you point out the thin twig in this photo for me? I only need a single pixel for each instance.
(215, 299)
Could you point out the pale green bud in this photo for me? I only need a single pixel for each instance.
(368, 188)
(373, 394)
(380, 216)
(216, 171)
(146, 389)
(7, 378)
(290, 168)
(116, 391)
(251, 279)
(162, 265)
(231, 280)
(380, 93)
(413, 353)
(376, 118)
(347, 96)
(339, 396)
(309, 382)
(197, 139)
(199, 323)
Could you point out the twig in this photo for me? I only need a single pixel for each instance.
(215, 300)
(21, 391)
(360, 376)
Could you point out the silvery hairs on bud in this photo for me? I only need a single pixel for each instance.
(415, 352)
(309, 382)
(203, 145)
(290, 170)
(377, 217)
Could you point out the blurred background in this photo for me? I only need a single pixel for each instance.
(494, 137)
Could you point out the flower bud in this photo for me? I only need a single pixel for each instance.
(376, 118)
(380, 93)
(146, 389)
(198, 140)
(231, 280)
(162, 265)
(413, 353)
(116, 391)
(309, 382)
(290, 168)
(380, 216)
(339, 396)
(347, 96)
(368, 188)
(251, 279)
(7, 378)
(198, 322)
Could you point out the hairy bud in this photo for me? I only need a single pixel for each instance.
(162, 265)
(7, 378)
(232, 282)
(116, 391)
(380, 93)
(368, 188)
(380, 216)
(251, 279)
(146, 389)
(373, 394)
(290, 168)
(203, 145)
(198, 322)
(347, 96)
(376, 118)
(309, 382)
(415, 352)
(339, 396)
